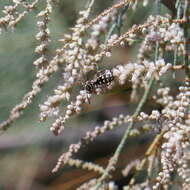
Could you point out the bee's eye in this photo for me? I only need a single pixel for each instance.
(88, 87)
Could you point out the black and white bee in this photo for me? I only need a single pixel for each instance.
(101, 80)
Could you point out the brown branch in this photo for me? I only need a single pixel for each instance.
(170, 4)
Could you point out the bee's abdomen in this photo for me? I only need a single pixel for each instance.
(104, 79)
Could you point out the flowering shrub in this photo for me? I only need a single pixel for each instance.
(82, 51)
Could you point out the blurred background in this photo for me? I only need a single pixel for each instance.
(28, 150)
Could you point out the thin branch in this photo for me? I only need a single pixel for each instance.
(115, 157)
(107, 11)
(185, 26)
(170, 4)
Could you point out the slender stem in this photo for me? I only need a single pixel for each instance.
(90, 3)
(178, 7)
(126, 135)
(151, 151)
(120, 19)
(185, 17)
(110, 32)
(117, 24)
(114, 159)
(158, 7)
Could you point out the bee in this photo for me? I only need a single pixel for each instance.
(101, 80)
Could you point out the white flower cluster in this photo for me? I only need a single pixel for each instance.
(91, 185)
(12, 16)
(176, 138)
(99, 29)
(106, 186)
(49, 108)
(112, 39)
(155, 115)
(164, 98)
(165, 32)
(73, 107)
(169, 35)
(78, 61)
(43, 36)
(139, 72)
(42, 77)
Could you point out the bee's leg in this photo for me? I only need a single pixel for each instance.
(104, 88)
(88, 98)
(110, 85)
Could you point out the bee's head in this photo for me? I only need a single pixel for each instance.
(88, 86)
